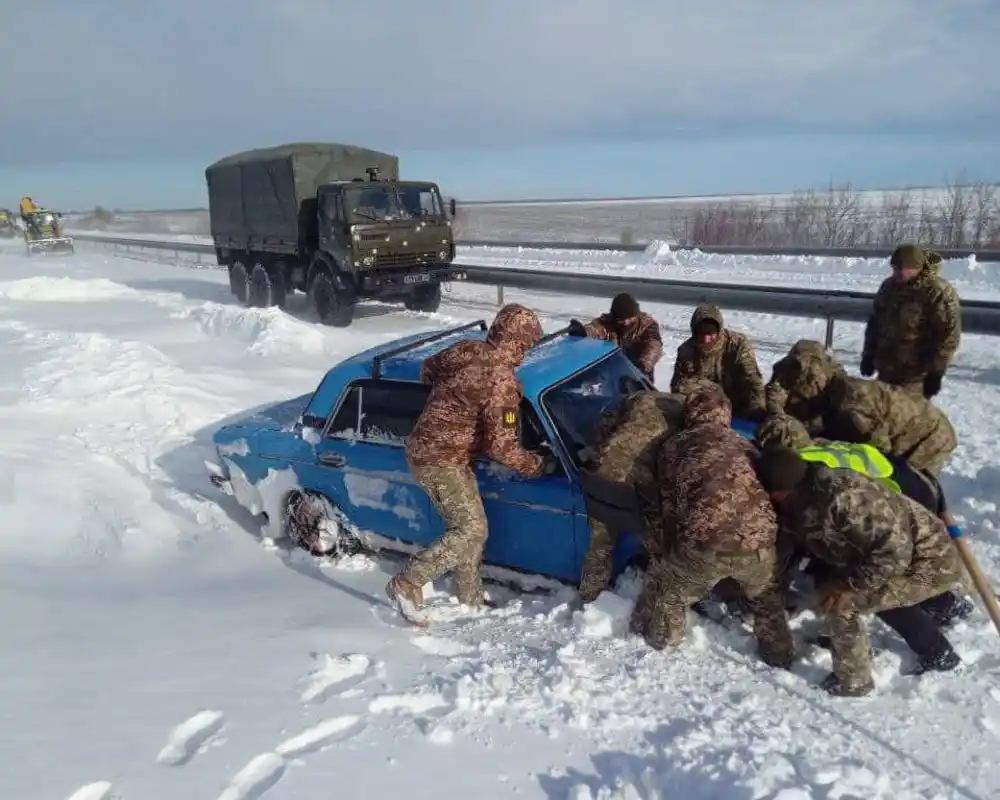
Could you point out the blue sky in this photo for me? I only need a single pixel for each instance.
(501, 98)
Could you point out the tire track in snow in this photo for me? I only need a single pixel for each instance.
(188, 738)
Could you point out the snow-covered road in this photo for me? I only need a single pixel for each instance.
(155, 648)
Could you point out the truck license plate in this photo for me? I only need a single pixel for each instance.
(421, 277)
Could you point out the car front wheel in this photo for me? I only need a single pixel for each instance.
(315, 525)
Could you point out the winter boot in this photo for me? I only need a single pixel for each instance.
(407, 598)
(941, 661)
(948, 607)
(832, 685)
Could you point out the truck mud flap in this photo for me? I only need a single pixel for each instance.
(615, 504)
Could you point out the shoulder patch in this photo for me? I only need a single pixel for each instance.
(510, 416)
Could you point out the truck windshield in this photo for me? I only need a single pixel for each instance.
(372, 202)
(421, 201)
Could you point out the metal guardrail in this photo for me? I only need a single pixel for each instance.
(734, 250)
(978, 316)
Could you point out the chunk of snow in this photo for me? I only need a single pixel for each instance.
(607, 616)
(238, 447)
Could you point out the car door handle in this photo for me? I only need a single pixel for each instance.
(332, 459)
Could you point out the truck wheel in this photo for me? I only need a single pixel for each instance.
(425, 298)
(332, 306)
(267, 286)
(239, 281)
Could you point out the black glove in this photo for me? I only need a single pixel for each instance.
(932, 385)
(576, 328)
(867, 367)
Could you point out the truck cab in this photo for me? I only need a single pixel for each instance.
(378, 225)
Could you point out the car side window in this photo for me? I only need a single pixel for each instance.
(379, 412)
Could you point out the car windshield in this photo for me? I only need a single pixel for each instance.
(577, 404)
(372, 202)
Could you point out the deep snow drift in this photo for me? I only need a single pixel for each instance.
(156, 648)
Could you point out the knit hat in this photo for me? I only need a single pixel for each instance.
(624, 306)
(780, 468)
(908, 255)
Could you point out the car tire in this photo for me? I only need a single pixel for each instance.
(315, 525)
(333, 307)
(267, 286)
(425, 298)
(239, 282)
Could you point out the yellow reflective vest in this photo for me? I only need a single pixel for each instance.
(863, 458)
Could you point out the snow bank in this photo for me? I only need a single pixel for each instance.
(265, 331)
(64, 290)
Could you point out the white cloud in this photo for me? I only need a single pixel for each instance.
(195, 75)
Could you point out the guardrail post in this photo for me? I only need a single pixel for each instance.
(829, 333)
(499, 294)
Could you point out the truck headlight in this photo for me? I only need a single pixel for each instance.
(368, 260)
(443, 255)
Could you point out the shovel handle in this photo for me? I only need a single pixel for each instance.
(983, 588)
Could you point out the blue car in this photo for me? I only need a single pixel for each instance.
(330, 469)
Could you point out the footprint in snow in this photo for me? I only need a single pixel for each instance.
(431, 703)
(259, 775)
(265, 770)
(189, 737)
(335, 729)
(335, 675)
(101, 790)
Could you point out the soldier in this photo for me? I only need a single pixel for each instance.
(472, 411)
(625, 450)
(915, 326)
(781, 394)
(818, 392)
(894, 473)
(717, 523)
(632, 329)
(885, 551)
(723, 356)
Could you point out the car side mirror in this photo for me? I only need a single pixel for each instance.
(453, 207)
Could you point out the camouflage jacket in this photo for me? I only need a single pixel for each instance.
(868, 533)
(730, 362)
(629, 439)
(897, 422)
(914, 328)
(798, 381)
(710, 495)
(475, 398)
(641, 342)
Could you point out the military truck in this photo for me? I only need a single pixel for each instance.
(333, 221)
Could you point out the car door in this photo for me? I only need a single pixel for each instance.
(361, 460)
(532, 521)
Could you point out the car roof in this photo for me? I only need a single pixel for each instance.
(549, 362)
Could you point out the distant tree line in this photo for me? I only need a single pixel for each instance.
(960, 215)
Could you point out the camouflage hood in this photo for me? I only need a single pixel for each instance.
(707, 407)
(807, 369)
(783, 429)
(707, 313)
(932, 268)
(514, 332)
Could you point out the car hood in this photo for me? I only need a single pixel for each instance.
(272, 417)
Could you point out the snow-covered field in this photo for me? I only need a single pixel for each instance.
(155, 647)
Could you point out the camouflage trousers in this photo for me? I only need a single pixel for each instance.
(926, 578)
(598, 564)
(455, 494)
(914, 386)
(686, 575)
